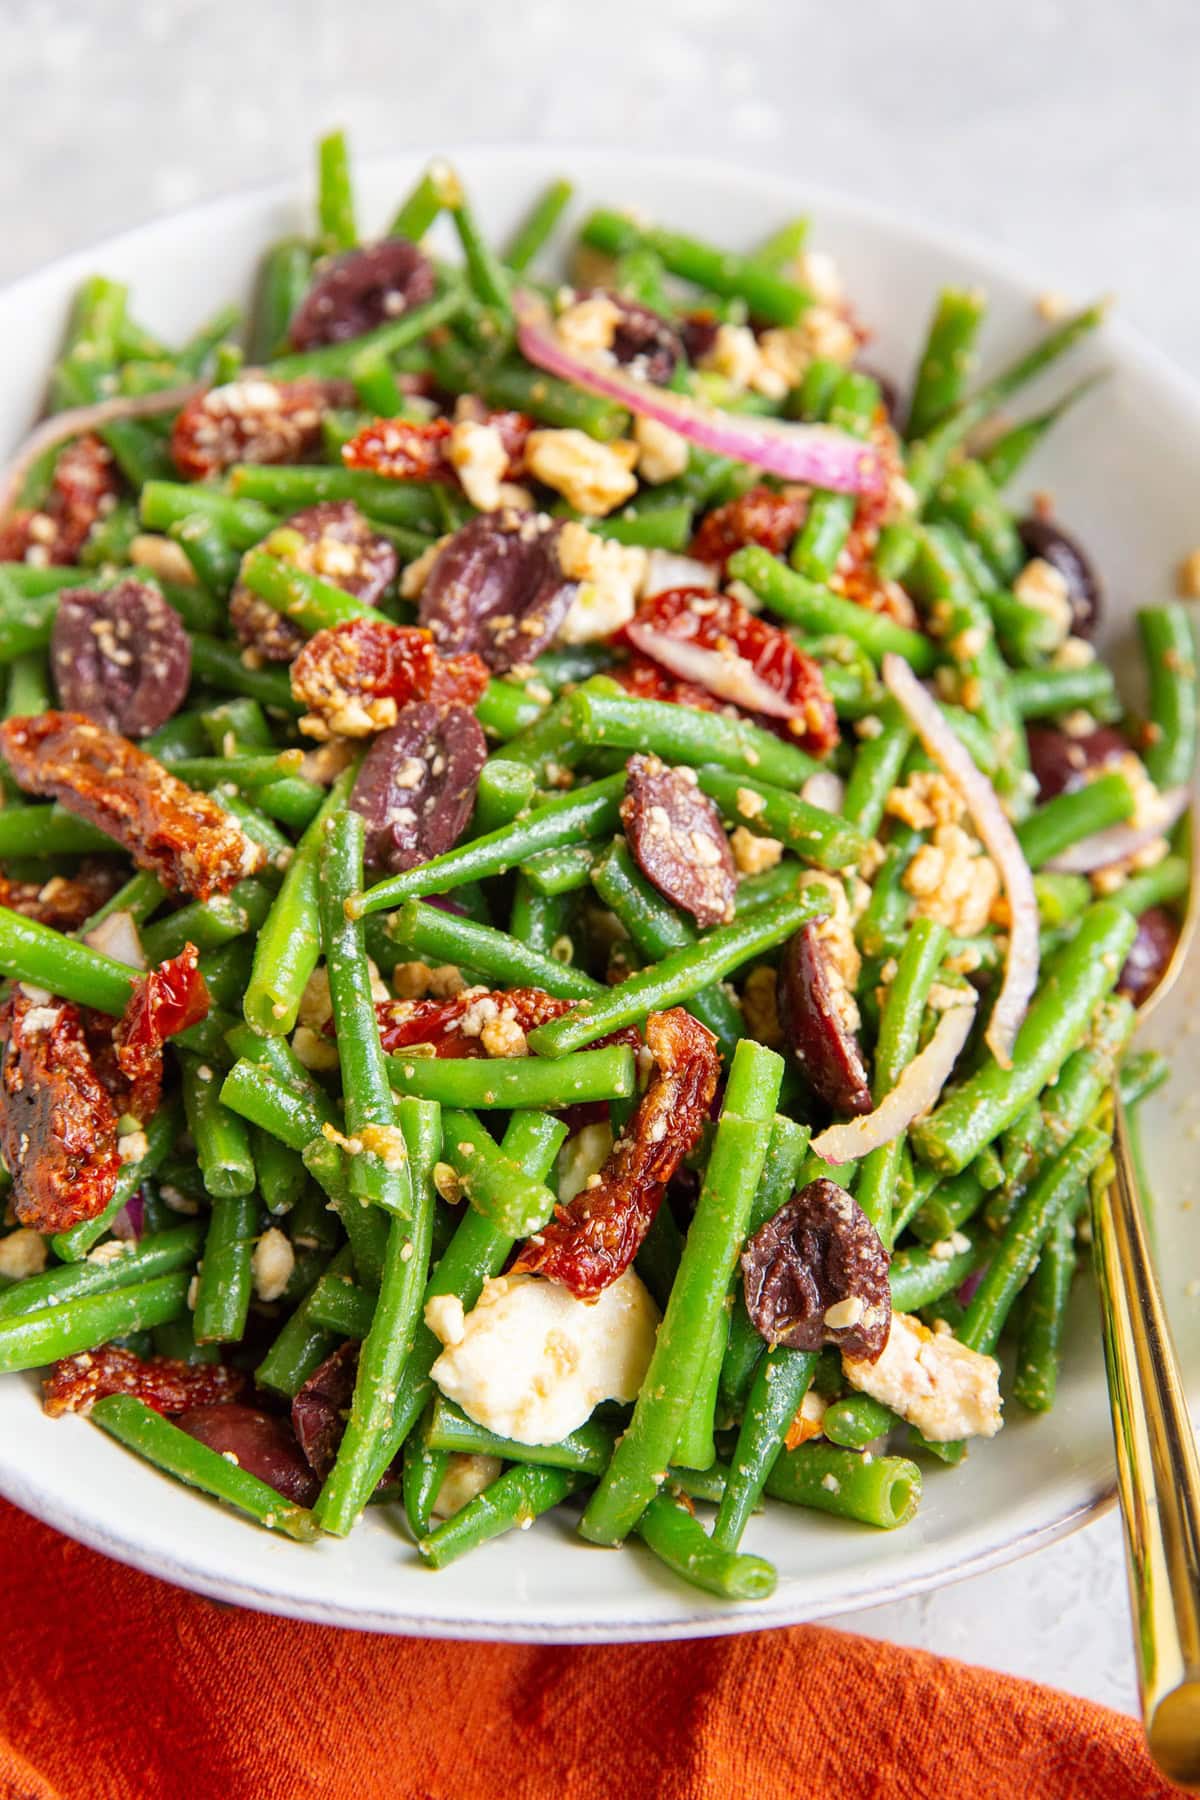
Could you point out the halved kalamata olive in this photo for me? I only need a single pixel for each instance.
(645, 341)
(416, 786)
(497, 588)
(1041, 537)
(817, 1273)
(337, 543)
(1149, 954)
(355, 292)
(812, 1011)
(120, 655)
(1062, 762)
(262, 1443)
(677, 840)
(320, 1407)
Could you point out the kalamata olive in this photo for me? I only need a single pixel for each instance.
(497, 588)
(120, 655)
(1149, 954)
(1041, 537)
(320, 1407)
(817, 1273)
(416, 786)
(262, 1443)
(334, 541)
(677, 840)
(812, 1013)
(1062, 762)
(699, 333)
(645, 341)
(355, 292)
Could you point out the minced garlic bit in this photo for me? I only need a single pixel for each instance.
(662, 453)
(953, 881)
(835, 934)
(752, 853)
(479, 458)
(925, 800)
(272, 1264)
(946, 1390)
(22, 1252)
(316, 1051)
(610, 576)
(163, 557)
(592, 477)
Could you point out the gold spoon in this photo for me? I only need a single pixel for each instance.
(1158, 1472)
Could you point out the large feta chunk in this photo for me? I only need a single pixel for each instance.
(531, 1362)
(946, 1390)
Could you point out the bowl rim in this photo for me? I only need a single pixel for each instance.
(794, 192)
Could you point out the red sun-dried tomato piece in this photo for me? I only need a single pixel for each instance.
(253, 419)
(454, 1026)
(355, 677)
(77, 1382)
(760, 516)
(650, 681)
(82, 489)
(182, 836)
(260, 1442)
(497, 588)
(401, 449)
(164, 1001)
(677, 840)
(360, 289)
(331, 539)
(58, 1126)
(812, 1012)
(817, 1273)
(594, 1238)
(713, 642)
(65, 901)
(120, 655)
(416, 787)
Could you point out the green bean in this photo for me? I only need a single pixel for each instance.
(495, 1186)
(484, 269)
(140, 1429)
(586, 1450)
(556, 873)
(768, 295)
(226, 1277)
(424, 203)
(282, 1177)
(606, 716)
(818, 609)
(423, 1473)
(895, 549)
(783, 246)
(282, 283)
(649, 528)
(1141, 1075)
(289, 488)
(1061, 897)
(505, 709)
(333, 361)
(780, 1383)
(302, 1345)
(538, 225)
(1170, 653)
(948, 358)
(899, 1032)
(151, 1257)
(74, 1243)
(780, 1177)
(209, 923)
(48, 831)
(387, 1345)
(812, 833)
(1047, 693)
(221, 1139)
(989, 1100)
(680, 974)
(510, 385)
(884, 1491)
(335, 194)
(1043, 1317)
(513, 1501)
(948, 1207)
(878, 761)
(85, 1321)
(340, 1306)
(826, 527)
(656, 928)
(505, 789)
(220, 665)
(140, 454)
(968, 498)
(1168, 880)
(856, 1420)
(1067, 818)
(715, 1237)
(541, 921)
(680, 1541)
(434, 936)
(508, 1082)
(586, 812)
(310, 602)
(214, 560)
(73, 970)
(1003, 456)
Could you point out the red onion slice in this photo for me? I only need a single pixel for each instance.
(812, 453)
(1104, 848)
(999, 840)
(915, 1093)
(728, 677)
(80, 419)
(826, 790)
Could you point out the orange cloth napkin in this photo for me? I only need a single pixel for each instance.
(118, 1687)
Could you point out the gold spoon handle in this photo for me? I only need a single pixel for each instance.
(1158, 1473)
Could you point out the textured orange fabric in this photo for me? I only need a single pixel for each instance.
(118, 1687)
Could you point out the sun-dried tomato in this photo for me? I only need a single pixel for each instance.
(65, 901)
(760, 516)
(677, 840)
(419, 449)
(714, 642)
(650, 681)
(77, 1382)
(164, 1000)
(331, 539)
(453, 1027)
(594, 1238)
(355, 677)
(182, 836)
(82, 489)
(817, 1273)
(253, 419)
(58, 1126)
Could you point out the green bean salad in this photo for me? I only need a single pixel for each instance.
(574, 888)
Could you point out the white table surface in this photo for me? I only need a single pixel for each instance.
(1066, 131)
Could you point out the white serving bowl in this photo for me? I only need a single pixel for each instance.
(1122, 469)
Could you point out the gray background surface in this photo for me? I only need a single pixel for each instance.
(1066, 132)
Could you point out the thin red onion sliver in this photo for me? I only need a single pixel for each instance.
(1104, 848)
(1000, 841)
(812, 453)
(728, 677)
(130, 1222)
(80, 419)
(914, 1094)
